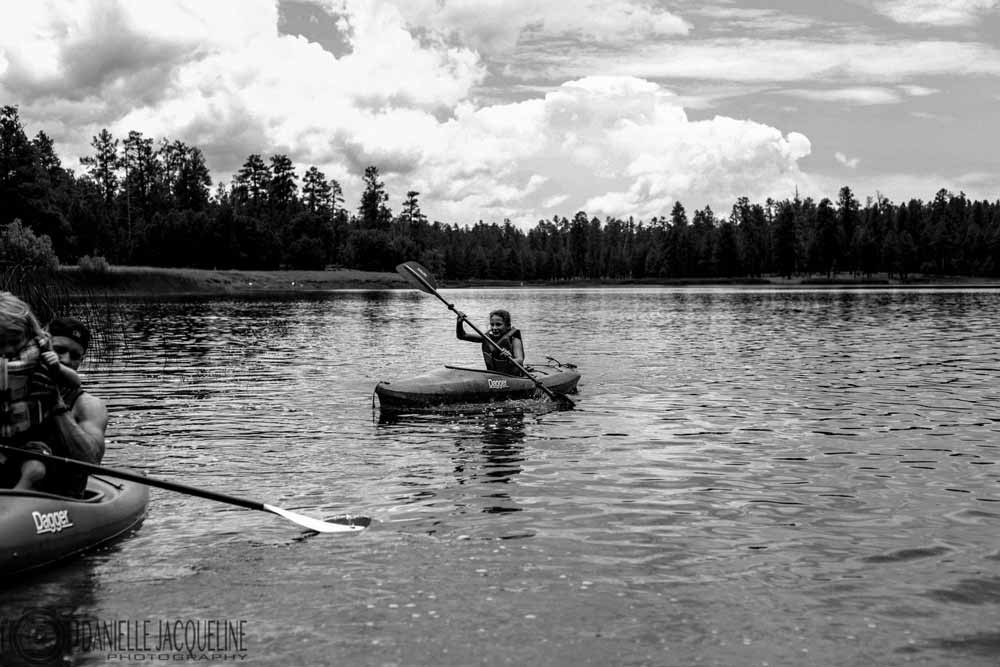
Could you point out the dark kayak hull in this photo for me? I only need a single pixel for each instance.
(38, 529)
(453, 385)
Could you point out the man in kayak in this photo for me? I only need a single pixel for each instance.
(501, 333)
(40, 414)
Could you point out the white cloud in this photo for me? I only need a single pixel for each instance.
(919, 91)
(727, 18)
(926, 115)
(554, 202)
(78, 49)
(608, 146)
(218, 75)
(936, 12)
(493, 26)
(634, 133)
(767, 60)
(846, 161)
(864, 95)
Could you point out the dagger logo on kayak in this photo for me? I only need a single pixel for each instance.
(497, 384)
(51, 522)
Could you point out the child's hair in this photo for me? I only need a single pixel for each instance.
(15, 315)
(504, 315)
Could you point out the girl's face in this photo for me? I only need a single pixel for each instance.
(496, 325)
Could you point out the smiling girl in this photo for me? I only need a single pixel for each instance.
(503, 335)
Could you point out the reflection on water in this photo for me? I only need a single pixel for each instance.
(492, 459)
(486, 453)
(749, 477)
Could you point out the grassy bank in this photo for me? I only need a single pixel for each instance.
(139, 281)
(142, 280)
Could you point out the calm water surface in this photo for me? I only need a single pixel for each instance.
(751, 477)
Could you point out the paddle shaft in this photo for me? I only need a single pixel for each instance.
(451, 307)
(134, 477)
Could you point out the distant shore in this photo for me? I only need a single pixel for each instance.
(153, 281)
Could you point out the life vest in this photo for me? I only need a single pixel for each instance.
(495, 360)
(23, 404)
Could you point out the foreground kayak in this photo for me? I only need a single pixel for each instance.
(37, 529)
(455, 385)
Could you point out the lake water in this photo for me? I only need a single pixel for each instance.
(750, 477)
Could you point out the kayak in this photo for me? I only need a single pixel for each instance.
(37, 529)
(455, 385)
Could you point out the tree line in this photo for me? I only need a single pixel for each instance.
(142, 202)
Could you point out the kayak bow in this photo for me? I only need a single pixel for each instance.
(38, 529)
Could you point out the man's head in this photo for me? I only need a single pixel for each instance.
(70, 338)
(15, 325)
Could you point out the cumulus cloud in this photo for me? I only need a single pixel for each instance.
(220, 76)
(936, 12)
(607, 145)
(633, 134)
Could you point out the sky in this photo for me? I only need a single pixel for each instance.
(528, 109)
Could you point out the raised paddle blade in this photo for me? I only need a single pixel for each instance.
(418, 276)
(314, 524)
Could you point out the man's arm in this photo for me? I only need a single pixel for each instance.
(82, 428)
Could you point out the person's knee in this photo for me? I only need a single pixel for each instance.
(32, 472)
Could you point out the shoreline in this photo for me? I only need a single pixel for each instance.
(141, 281)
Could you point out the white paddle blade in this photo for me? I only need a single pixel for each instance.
(313, 524)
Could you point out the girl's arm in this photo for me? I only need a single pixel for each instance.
(460, 331)
(518, 348)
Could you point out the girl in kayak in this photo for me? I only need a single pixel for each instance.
(503, 335)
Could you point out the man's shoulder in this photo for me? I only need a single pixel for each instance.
(89, 402)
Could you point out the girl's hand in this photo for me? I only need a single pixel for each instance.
(50, 359)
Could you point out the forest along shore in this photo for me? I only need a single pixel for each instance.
(153, 281)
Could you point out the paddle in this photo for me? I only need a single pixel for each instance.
(422, 279)
(307, 522)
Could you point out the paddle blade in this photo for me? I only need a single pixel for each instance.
(564, 401)
(316, 524)
(418, 276)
